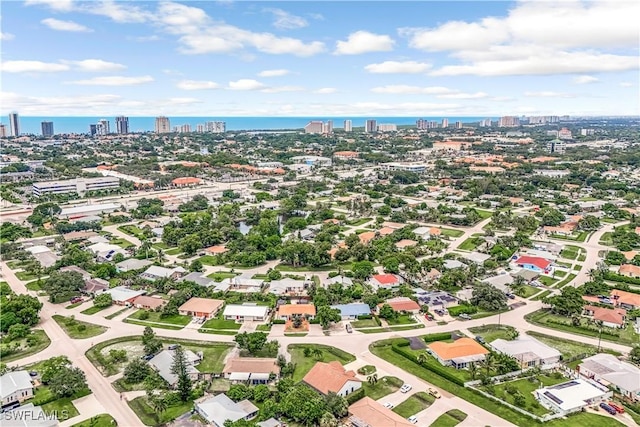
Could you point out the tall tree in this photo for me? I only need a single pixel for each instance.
(179, 367)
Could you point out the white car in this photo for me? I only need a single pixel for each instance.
(405, 388)
(389, 405)
(412, 419)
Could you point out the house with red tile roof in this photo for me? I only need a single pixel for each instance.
(459, 353)
(629, 270)
(385, 281)
(287, 311)
(332, 377)
(402, 304)
(366, 237)
(534, 263)
(370, 413)
(610, 317)
(624, 299)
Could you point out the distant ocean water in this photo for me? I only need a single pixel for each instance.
(31, 124)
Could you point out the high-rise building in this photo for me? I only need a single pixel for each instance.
(486, 123)
(93, 130)
(103, 127)
(445, 123)
(458, 125)
(186, 128)
(122, 125)
(509, 122)
(387, 127)
(3, 131)
(348, 126)
(371, 126)
(14, 124)
(200, 128)
(422, 124)
(47, 129)
(314, 126)
(329, 127)
(565, 133)
(556, 146)
(215, 127)
(162, 125)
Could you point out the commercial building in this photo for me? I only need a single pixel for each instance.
(78, 185)
(47, 129)
(88, 210)
(14, 124)
(3, 131)
(556, 146)
(314, 126)
(122, 125)
(348, 126)
(312, 160)
(163, 125)
(407, 167)
(371, 126)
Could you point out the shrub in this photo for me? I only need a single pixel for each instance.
(278, 322)
(365, 317)
(81, 328)
(355, 396)
(144, 315)
(442, 336)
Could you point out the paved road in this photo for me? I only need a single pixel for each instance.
(356, 343)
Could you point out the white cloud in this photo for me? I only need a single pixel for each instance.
(32, 67)
(581, 80)
(406, 89)
(364, 42)
(58, 25)
(197, 85)
(273, 73)
(533, 39)
(279, 89)
(144, 39)
(325, 90)
(96, 65)
(549, 94)
(6, 36)
(184, 101)
(463, 95)
(113, 81)
(397, 67)
(246, 84)
(626, 84)
(58, 5)
(284, 20)
(121, 12)
(60, 104)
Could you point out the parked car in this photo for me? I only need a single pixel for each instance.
(433, 392)
(511, 296)
(428, 317)
(147, 357)
(389, 405)
(173, 346)
(349, 328)
(76, 299)
(480, 339)
(412, 419)
(405, 388)
(619, 409)
(464, 316)
(608, 408)
(439, 312)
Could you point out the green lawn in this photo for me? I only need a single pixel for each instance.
(570, 252)
(449, 232)
(450, 419)
(414, 404)
(93, 310)
(286, 267)
(34, 286)
(526, 388)
(366, 323)
(70, 306)
(470, 244)
(304, 364)
(219, 276)
(263, 328)
(494, 332)
(25, 276)
(484, 214)
(102, 420)
(529, 291)
(77, 329)
(584, 419)
(546, 280)
(149, 417)
(560, 273)
(44, 394)
(566, 281)
(173, 251)
(160, 245)
(606, 239)
(209, 260)
(213, 354)
(545, 318)
(131, 230)
(541, 295)
(123, 243)
(40, 342)
(155, 317)
(220, 323)
(359, 222)
(116, 314)
(384, 386)
(217, 331)
(402, 319)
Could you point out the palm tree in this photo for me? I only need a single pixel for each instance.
(422, 358)
(317, 353)
(473, 370)
(145, 246)
(159, 405)
(489, 362)
(372, 379)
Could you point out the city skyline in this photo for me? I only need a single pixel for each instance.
(314, 58)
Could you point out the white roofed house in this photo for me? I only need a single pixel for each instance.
(163, 361)
(246, 312)
(528, 351)
(218, 409)
(256, 370)
(288, 286)
(572, 396)
(132, 264)
(122, 295)
(501, 282)
(15, 387)
(608, 370)
(156, 272)
(106, 251)
(242, 283)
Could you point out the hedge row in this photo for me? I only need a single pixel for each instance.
(436, 369)
(608, 275)
(355, 396)
(442, 336)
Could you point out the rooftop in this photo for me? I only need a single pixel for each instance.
(460, 348)
(328, 377)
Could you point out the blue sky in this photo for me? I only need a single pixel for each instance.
(419, 58)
